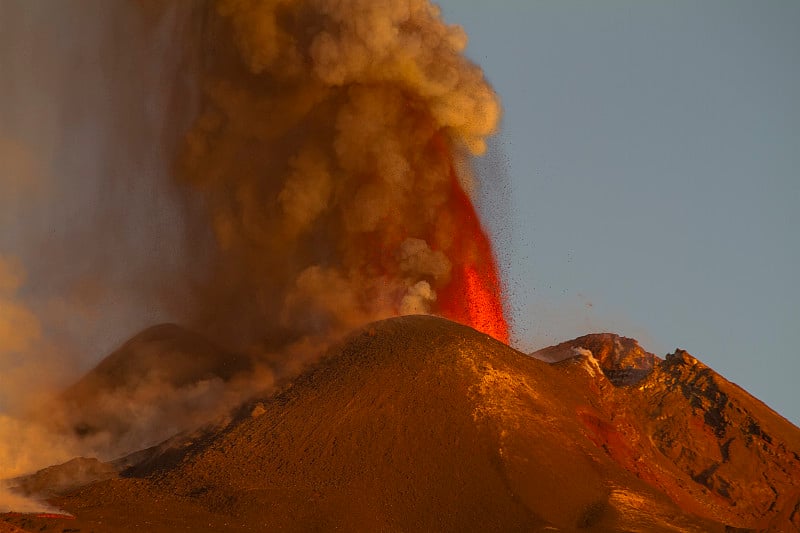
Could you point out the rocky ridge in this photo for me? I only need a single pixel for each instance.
(712, 447)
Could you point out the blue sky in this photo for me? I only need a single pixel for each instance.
(647, 177)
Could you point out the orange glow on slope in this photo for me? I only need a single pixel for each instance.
(484, 307)
(473, 296)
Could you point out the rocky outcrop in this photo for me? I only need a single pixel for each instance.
(712, 447)
(621, 359)
(745, 456)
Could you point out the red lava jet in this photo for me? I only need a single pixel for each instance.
(473, 296)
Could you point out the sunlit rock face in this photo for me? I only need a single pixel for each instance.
(741, 455)
(621, 359)
(680, 426)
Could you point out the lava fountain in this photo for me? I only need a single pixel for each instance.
(474, 294)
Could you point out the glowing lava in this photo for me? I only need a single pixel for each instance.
(473, 296)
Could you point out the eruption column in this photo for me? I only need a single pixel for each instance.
(325, 156)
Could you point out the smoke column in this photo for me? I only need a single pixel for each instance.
(326, 153)
(272, 173)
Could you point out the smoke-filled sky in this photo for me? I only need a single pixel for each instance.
(654, 161)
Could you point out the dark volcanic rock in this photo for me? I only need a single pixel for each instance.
(742, 457)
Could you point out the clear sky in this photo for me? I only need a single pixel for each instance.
(652, 175)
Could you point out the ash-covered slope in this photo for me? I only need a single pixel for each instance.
(163, 380)
(709, 445)
(414, 424)
(63, 478)
(420, 424)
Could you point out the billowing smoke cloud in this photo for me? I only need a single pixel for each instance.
(326, 153)
(273, 173)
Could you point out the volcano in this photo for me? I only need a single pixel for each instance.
(421, 424)
(344, 362)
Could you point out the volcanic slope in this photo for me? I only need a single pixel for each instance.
(163, 380)
(709, 445)
(413, 424)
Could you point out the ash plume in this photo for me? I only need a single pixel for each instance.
(325, 154)
(271, 173)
